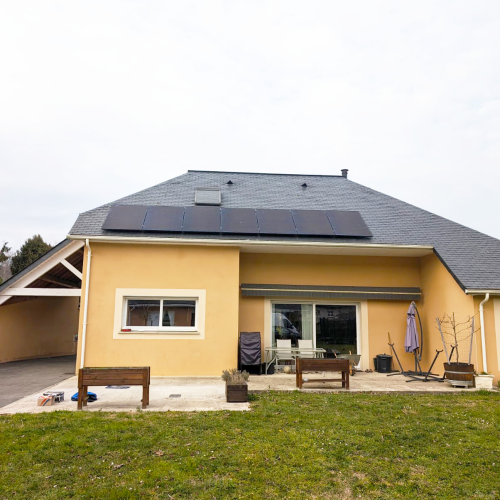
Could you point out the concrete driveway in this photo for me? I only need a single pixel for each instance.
(22, 378)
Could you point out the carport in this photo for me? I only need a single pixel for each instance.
(39, 307)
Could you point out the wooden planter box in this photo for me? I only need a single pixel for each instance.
(237, 393)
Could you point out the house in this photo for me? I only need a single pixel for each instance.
(168, 276)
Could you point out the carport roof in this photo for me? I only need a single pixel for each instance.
(473, 258)
(56, 273)
(34, 264)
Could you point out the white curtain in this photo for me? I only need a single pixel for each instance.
(307, 321)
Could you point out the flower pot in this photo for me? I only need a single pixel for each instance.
(237, 393)
(459, 374)
(483, 381)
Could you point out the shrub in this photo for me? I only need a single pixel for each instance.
(235, 377)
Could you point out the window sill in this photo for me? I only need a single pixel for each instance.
(158, 332)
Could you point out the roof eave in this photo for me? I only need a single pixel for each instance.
(253, 243)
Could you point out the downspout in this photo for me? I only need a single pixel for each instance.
(481, 320)
(86, 304)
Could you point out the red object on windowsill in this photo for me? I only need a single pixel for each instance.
(126, 329)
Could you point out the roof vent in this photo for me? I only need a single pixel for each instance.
(207, 196)
(229, 182)
(344, 172)
(304, 185)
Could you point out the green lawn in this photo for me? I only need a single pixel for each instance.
(291, 445)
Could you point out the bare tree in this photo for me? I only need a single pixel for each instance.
(458, 335)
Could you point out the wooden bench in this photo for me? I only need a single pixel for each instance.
(113, 376)
(323, 365)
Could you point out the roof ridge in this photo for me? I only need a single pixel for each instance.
(262, 173)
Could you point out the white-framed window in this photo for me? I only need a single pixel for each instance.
(143, 314)
(155, 313)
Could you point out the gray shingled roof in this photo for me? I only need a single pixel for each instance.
(472, 257)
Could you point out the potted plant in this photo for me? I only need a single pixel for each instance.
(236, 385)
(457, 337)
(483, 380)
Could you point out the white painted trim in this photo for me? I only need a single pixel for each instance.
(239, 243)
(41, 269)
(268, 323)
(42, 292)
(72, 268)
(86, 305)
(160, 329)
(481, 292)
(364, 362)
(122, 294)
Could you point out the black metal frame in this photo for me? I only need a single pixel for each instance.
(417, 373)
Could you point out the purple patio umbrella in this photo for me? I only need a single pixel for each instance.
(411, 338)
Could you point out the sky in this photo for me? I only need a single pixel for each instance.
(100, 99)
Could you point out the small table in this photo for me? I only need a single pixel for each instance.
(270, 353)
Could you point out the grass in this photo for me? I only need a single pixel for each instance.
(291, 445)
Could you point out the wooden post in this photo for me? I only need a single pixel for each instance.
(298, 372)
(80, 390)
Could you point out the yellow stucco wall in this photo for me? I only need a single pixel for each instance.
(441, 295)
(329, 270)
(43, 327)
(219, 271)
(212, 269)
(383, 316)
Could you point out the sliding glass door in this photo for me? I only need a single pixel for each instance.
(331, 327)
(336, 328)
(292, 321)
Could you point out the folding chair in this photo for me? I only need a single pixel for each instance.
(285, 351)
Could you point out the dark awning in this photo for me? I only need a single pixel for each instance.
(331, 292)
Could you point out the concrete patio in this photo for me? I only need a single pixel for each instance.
(360, 382)
(208, 393)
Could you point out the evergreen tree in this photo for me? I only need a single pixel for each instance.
(4, 255)
(32, 250)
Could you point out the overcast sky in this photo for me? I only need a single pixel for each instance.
(101, 99)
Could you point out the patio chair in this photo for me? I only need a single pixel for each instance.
(285, 352)
(306, 347)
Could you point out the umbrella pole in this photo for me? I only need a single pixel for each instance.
(421, 348)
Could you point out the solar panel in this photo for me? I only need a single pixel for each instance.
(275, 222)
(202, 220)
(164, 219)
(207, 196)
(125, 218)
(239, 220)
(348, 223)
(312, 223)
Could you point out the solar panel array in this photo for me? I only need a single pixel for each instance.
(210, 219)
